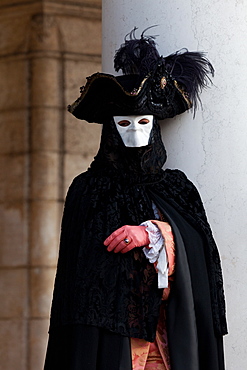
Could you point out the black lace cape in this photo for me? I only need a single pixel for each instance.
(119, 292)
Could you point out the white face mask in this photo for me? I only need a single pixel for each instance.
(134, 130)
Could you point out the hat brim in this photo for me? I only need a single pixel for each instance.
(105, 96)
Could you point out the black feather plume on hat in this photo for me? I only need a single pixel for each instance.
(136, 56)
(191, 70)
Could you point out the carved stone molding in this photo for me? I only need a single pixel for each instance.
(44, 33)
(85, 10)
(42, 26)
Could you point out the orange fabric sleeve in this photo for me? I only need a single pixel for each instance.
(167, 234)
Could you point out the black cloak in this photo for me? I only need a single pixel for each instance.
(118, 292)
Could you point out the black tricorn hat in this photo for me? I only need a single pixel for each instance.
(150, 84)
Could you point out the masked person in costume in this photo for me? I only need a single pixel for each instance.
(139, 283)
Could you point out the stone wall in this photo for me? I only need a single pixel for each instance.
(47, 48)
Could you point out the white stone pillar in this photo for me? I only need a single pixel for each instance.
(211, 149)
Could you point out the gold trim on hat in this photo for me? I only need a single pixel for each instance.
(184, 94)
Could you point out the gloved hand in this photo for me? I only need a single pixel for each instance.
(126, 238)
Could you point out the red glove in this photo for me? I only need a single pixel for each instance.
(126, 238)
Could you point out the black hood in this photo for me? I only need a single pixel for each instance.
(113, 153)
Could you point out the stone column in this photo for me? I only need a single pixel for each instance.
(46, 172)
(210, 149)
(46, 51)
(14, 203)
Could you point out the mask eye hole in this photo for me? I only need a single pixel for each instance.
(124, 123)
(143, 121)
